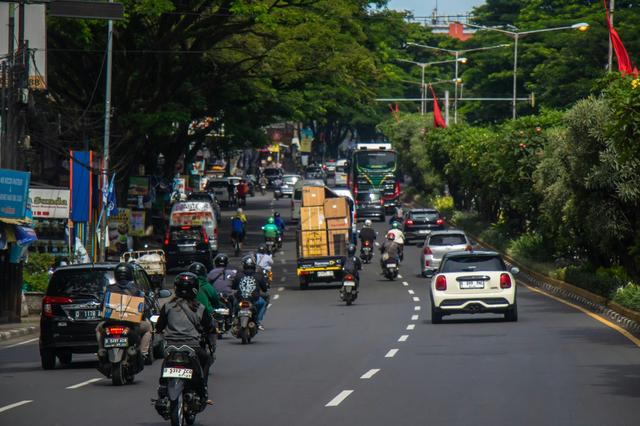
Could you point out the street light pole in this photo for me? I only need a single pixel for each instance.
(515, 75)
(612, 6)
(105, 148)
(423, 105)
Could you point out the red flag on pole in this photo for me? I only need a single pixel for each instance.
(438, 121)
(624, 63)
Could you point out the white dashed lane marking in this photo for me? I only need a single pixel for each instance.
(269, 305)
(339, 398)
(369, 374)
(411, 326)
(85, 383)
(403, 338)
(416, 308)
(283, 261)
(416, 299)
(399, 276)
(280, 288)
(21, 343)
(404, 283)
(391, 353)
(14, 405)
(276, 297)
(411, 292)
(377, 244)
(414, 317)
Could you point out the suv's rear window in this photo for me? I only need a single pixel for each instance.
(272, 172)
(429, 216)
(447, 240)
(473, 263)
(217, 184)
(191, 234)
(80, 282)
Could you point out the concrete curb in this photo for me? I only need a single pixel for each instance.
(18, 332)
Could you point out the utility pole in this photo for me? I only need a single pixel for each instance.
(446, 107)
(105, 149)
(612, 6)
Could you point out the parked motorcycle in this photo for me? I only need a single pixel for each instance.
(348, 291)
(390, 268)
(178, 398)
(366, 252)
(244, 326)
(124, 359)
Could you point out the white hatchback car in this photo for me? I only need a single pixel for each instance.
(472, 282)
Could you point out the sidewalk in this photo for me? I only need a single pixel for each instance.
(29, 325)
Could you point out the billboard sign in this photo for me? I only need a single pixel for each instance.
(49, 203)
(14, 193)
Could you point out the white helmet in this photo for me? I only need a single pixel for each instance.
(367, 223)
(239, 211)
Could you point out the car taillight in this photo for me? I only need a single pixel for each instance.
(408, 222)
(427, 250)
(396, 192)
(205, 237)
(355, 189)
(49, 301)
(244, 304)
(427, 263)
(505, 281)
(117, 330)
(366, 243)
(441, 283)
(381, 202)
(166, 239)
(440, 221)
(357, 203)
(185, 227)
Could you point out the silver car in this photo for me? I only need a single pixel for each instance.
(286, 189)
(439, 243)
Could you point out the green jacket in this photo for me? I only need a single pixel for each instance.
(208, 296)
(270, 230)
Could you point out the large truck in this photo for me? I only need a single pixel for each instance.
(323, 236)
(374, 166)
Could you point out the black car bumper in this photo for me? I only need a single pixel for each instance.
(419, 233)
(62, 335)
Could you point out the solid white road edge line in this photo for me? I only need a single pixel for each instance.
(283, 279)
(21, 343)
(414, 317)
(411, 326)
(416, 308)
(339, 398)
(276, 296)
(391, 353)
(403, 338)
(411, 292)
(85, 383)
(15, 404)
(369, 374)
(416, 299)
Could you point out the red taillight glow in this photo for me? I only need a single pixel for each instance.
(381, 202)
(357, 203)
(441, 283)
(355, 189)
(408, 222)
(505, 281)
(366, 243)
(117, 330)
(49, 301)
(205, 237)
(348, 277)
(185, 227)
(427, 250)
(397, 189)
(166, 239)
(244, 304)
(440, 221)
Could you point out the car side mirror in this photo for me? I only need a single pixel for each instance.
(429, 273)
(515, 271)
(164, 293)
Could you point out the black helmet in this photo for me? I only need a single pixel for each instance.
(248, 264)
(198, 269)
(123, 272)
(352, 249)
(221, 260)
(276, 214)
(262, 249)
(186, 285)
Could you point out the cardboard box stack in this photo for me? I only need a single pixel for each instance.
(324, 223)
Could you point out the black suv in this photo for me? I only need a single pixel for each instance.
(71, 309)
(370, 204)
(419, 222)
(184, 245)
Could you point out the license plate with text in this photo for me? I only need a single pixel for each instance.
(325, 273)
(471, 285)
(115, 342)
(177, 373)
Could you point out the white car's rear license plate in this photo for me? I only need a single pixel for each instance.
(115, 342)
(471, 285)
(177, 373)
(325, 273)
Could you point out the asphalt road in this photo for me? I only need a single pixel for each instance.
(378, 362)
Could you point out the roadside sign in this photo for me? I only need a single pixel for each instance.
(14, 190)
(49, 203)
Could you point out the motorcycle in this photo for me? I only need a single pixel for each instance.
(178, 399)
(263, 188)
(271, 245)
(279, 241)
(348, 291)
(222, 317)
(124, 359)
(366, 252)
(390, 269)
(243, 325)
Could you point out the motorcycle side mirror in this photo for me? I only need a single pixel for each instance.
(515, 271)
(164, 293)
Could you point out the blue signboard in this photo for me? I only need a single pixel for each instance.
(14, 193)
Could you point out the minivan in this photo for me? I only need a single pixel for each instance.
(296, 201)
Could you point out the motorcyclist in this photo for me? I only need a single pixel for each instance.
(124, 284)
(367, 233)
(243, 190)
(270, 230)
(352, 264)
(221, 277)
(207, 294)
(263, 182)
(252, 285)
(399, 237)
(183, 321)
(238, 226)
(389, 249)
(279, 222)
(263, 259)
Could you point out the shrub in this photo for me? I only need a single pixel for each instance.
(588, 279)
(36, 271)
(469, 221)
(628, 296)
(444, 205)
(530, 246)
(497, 235)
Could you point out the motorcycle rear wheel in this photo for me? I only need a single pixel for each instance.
(176, 409)
(117, 374)
(244, 334)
